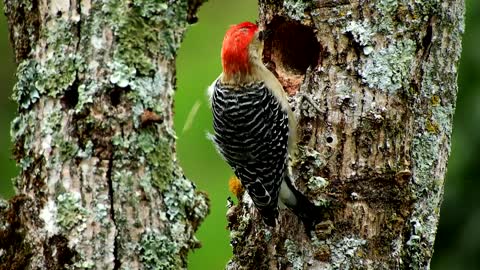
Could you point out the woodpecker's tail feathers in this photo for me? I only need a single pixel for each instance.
(269, 216)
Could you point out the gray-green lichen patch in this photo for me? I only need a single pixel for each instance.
(434, 107)
(416, 232)
(24, 92)
(362, 32)
(425, 147)
(87, 150)
(244, 220)
(22, 130)
(70, 212)
(293, 255)
(157, 251)
(157, 152)
(387, 6)
(184, 203)
(68, 149)
(383, 21)
(317, 183)
(296, 9)
(425, 8)
(180, 194)
(145, 31)
(122, 74)
(60, 56)
(50, 80)
(163, 166)
(85, 95)
(344, 252)
(388, 69)
(55, 73)
(317, 158)
(146, 95)
(84, 264)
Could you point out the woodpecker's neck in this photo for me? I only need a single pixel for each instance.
(245, 73)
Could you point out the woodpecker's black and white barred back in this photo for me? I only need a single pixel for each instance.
(251, 133)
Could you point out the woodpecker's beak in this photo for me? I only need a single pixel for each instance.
(264, 34)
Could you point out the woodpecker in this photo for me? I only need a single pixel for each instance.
(254, 127)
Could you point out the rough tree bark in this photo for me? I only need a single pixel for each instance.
(373, 84)
(99, 185)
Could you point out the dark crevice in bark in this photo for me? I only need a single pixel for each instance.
(70, 98)
(17, 252)
(424, 48)
(57, 253)
(355, 45)
(116, 260)
(116, 95)
(427, 39)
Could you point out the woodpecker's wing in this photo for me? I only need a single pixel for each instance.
(251, 133)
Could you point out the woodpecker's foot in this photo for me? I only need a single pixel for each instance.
(271, 222)
(315, 217)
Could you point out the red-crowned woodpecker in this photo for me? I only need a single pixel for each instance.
(254, 127)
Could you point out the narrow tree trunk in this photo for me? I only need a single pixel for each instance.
(99, 184)
(373, 84)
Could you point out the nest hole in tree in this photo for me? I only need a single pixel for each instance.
(290, 49)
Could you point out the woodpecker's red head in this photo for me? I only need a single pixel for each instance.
(235, 48)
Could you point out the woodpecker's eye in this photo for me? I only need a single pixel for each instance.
(261, 35)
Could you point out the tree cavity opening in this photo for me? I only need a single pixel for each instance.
(290, 49)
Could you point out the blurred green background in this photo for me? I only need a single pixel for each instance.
(458, 240)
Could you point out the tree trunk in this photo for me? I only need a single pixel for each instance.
(99, 185)
(373, 84)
